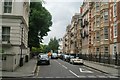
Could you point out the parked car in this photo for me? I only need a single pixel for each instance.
(76, 60)
(70, 57)
(43, 59)
(62, 56)
(59, 55)
(66, 58)
(54, 56)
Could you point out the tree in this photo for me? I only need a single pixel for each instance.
(39, 23)
(40, 49)
(53, 44)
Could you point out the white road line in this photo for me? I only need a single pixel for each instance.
(91, 76)
(102, 76)
(86, 71)
(82, 76)
(112, 77)
(64, 67)
(59, 63)
(74, 73)
(48, 77)
(92, 69)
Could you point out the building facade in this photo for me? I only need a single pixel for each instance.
(72, 39)
(14, 30)
(66, 41)
(86, 38)
(114, 24)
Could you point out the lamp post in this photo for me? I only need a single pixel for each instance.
(21, 58)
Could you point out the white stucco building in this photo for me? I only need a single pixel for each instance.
(14, 17)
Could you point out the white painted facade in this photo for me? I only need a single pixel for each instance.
(11, 49)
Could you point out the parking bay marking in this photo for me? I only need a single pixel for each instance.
(85, 71)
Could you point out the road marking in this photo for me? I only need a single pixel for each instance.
(112, 77)
(93, 69)
(59, 63)
(82, 76)
(74, 73)
(91, 76)
(86, 71)
(59, 77)
(102, 76)
(64, 67)
(48, 77)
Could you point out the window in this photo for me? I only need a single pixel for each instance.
(114, 10)
(7, 6)
(5, 33)
(97, 36)
(105, 32)
(106, 51)
(115, 30)
(97, 21)
(106, 48)
(114, 51)
(97, 6)
(97, 50)
(106, 16)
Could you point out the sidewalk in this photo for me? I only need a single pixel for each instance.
(103, 68)
(26, 70)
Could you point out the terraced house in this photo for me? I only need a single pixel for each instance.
(14, 30)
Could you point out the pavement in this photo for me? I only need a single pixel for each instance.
(105, 68)
(27, 70)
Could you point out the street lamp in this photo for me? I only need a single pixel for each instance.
(21, 58)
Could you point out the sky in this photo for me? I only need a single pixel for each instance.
(62, 12)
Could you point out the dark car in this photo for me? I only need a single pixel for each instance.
(61, 56)
(43, 59)
(70, 57)
(66, 58)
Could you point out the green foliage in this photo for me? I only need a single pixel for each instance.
(39, 23)
(53, 44)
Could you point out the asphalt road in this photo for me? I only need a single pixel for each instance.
(62, 69)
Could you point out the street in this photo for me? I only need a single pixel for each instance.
(62, 69)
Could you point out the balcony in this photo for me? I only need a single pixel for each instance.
(6, 43)
(96, 14)
(86, 22)
(71, 34)
(106, 23)
(101, 24)
(96, 43)
(104, 41)
(104, 6)
(97, 28)
(83, 25)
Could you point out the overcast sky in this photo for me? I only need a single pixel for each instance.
(62, 13)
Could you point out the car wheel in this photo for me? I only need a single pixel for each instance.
(48, 63)
(73, 62)
(38, 64)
